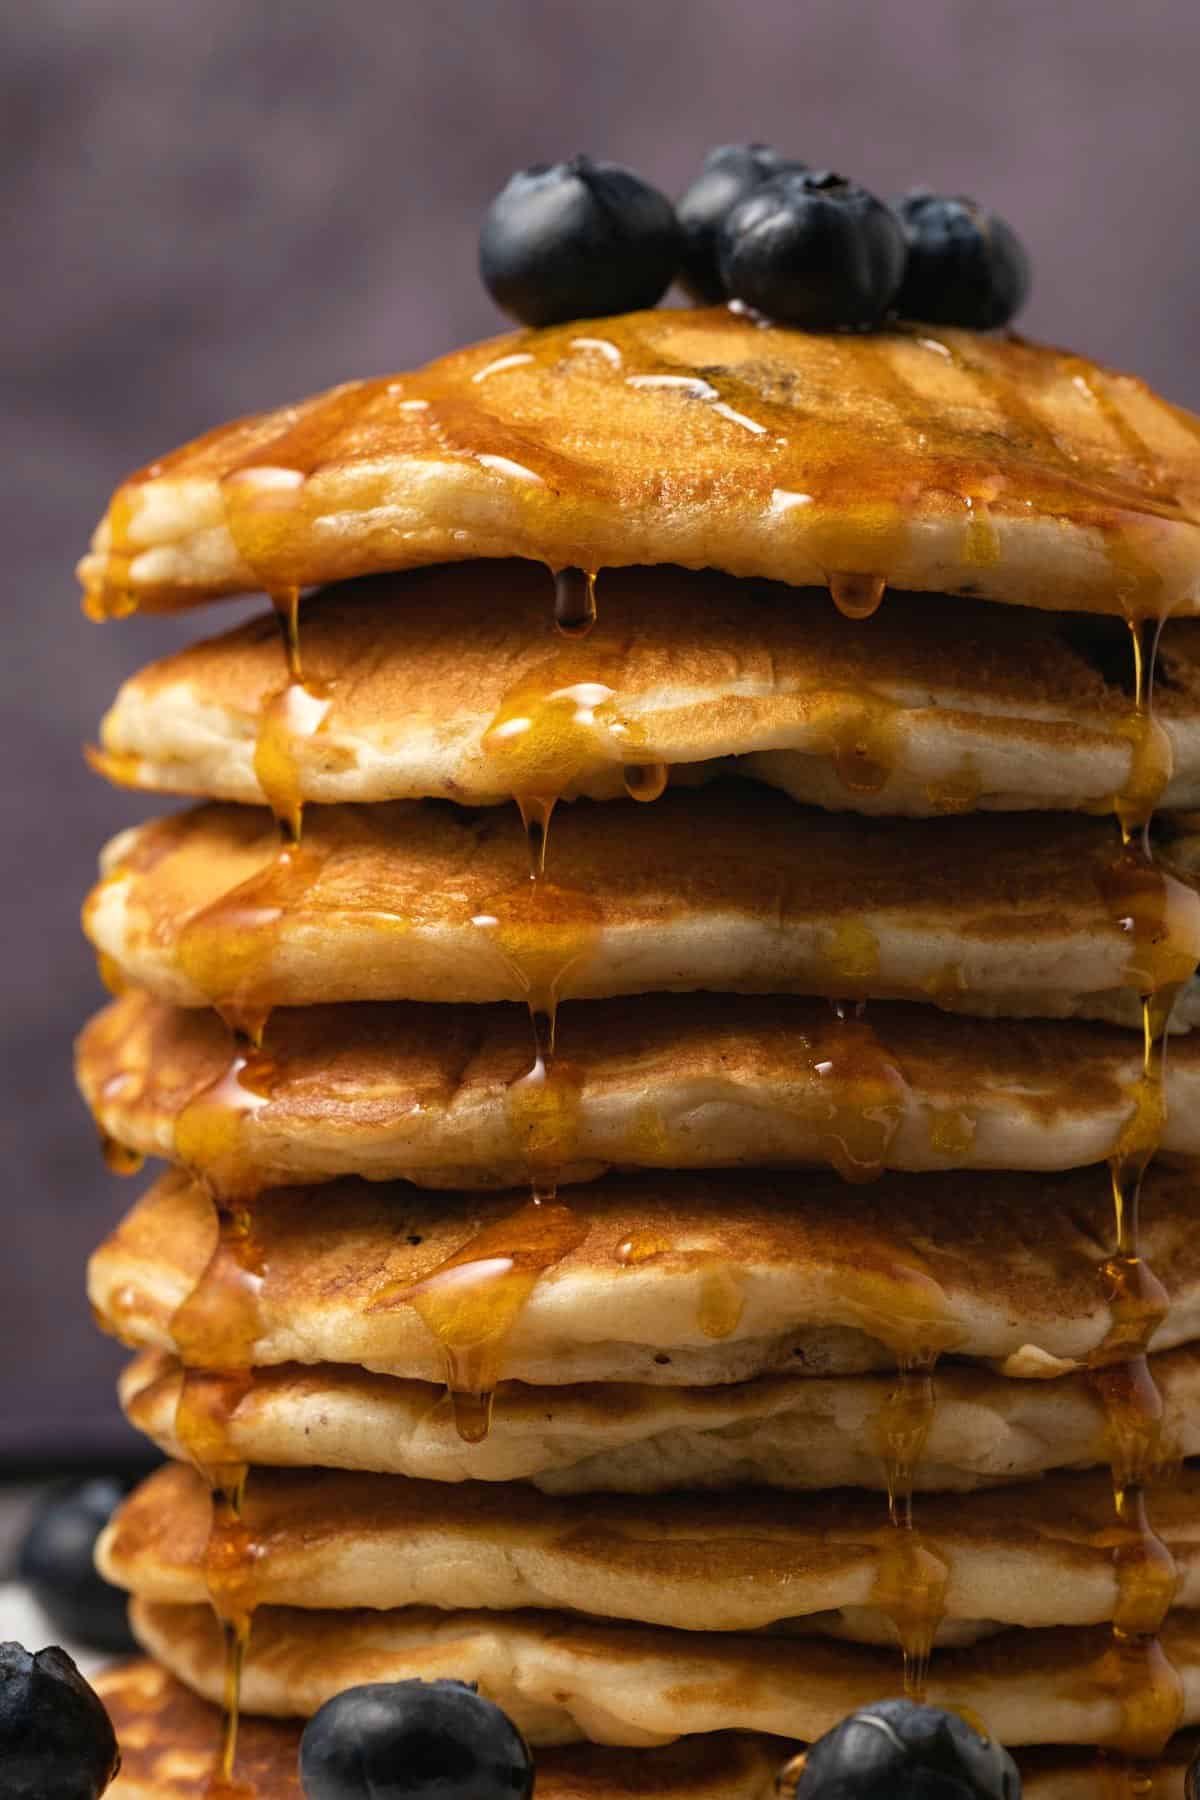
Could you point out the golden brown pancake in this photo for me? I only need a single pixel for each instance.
(562, 1678)
(955, 462)
(1033, 1556)
(433, 1094)
(676, 1280)
(410, 901)
(168, 1739)
(934, 705)
(800, 1432)
(168, 1742)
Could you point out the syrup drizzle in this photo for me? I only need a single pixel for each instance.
(1159, 915)
(289, 718)
(214, 1332)
(556, 722)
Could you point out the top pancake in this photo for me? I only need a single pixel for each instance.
(955, 463)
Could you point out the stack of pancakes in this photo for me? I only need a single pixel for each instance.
(655, 1255)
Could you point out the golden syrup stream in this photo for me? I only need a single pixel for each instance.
(288, 719)
(214, 1332)
(909, 1313)
(1161, 918)
(554, 725)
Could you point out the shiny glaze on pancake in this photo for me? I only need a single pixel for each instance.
(948, 460)
(663, 1081)
(738, 1272)
(934, 705)
(1010, 914)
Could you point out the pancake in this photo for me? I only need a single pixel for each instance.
(433, 1095)
(168, 1737)
(676, 1280)
(1033, 1556)
(952, 462)
(1010, 915)
(934, 705)
(797, 1433)
(563, 1678)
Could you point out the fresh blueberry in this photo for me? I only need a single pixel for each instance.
(55, 1736)
(57, 1563)
(965, 265)
(812, 249)
(413, 1740)
(896, 1750)
(576, 240)
(730, 172)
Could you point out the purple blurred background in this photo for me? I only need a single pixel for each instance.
(214, 208)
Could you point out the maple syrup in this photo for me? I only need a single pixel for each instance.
(574, 601)
(1162, 920)
(857, 596)
(214, 1332)
(473, 1301)
(867, 1094)
(227, 948)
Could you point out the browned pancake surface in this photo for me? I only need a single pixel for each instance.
(955, 461)
(675, 1081)
(1015, 913)
(764, 1271)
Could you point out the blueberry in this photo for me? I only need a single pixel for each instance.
(576, 240)
(57, 1562)
(55, 1736)
(730, 172)
(812, 249)
(965, 265)
(895, 1750)
(413, 1740)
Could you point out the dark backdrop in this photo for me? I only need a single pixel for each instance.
(218, 205)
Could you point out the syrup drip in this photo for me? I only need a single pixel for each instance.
(214, 1332)
(906, 1309)
(1151, 759)
(857, 596)
(1162, 920)
(473, 1301)
(208, 1132)
(226, 949)
(867, 1101)
(574, 601)
(554, 727)
(646, 781)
